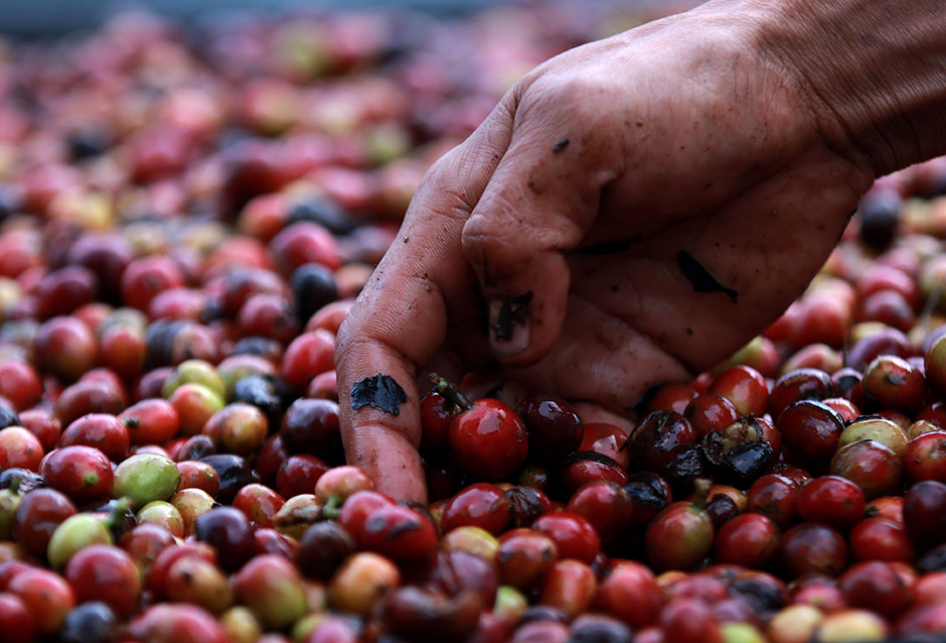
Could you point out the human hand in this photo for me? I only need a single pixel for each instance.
(632, 212)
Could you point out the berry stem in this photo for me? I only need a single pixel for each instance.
(450, 392)
(332, 508)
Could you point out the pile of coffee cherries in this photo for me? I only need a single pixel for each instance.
(185, 218)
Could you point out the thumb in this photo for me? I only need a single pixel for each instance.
(539, 203)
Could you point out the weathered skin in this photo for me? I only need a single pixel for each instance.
(741, 133)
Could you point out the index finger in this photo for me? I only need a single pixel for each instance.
(400, 319)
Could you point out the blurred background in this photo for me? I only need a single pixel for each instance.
(41, 18)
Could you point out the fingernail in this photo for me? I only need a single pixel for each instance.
(509, 325)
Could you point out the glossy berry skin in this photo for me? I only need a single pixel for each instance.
(258, 503)
(310, 427)
(64, 347)
(358, 508)
(650, 494)
(482, 505)
(20, 449)
(176, 623)
(924, 514)
(584, 468)
(526, 504)
(230, 533)
(144, 278)
(37, 515)
(489, 441)
(16, 621)
(923, 457)
(272, 587)
(156, 576)
(659, 437)
(436, 414)
(570, 587)
(102, 431)
(774, 496)
(20, 384)
(525, 558)
(105, 573)
(833, 500)
(607, 440)
(812, 547)
(298, 474)
(877, 587)
(721, 509)
(399, 533)
(749, 540)
(797, 385)
(47, 596)
(710, 413)
(671, 397)
(322, 548)
(934, 358)
(554, 429)
(606, 505)
(306, 356)
(872, 466)
(680, 538)
(741, 452)
(744, 387)
(810, 430)
(690, 621)
(573, 535)
(631, 594)
(880, 539)
(891, 382)
(150, 421)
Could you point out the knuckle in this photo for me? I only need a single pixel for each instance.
(569, 96)
(495, 232)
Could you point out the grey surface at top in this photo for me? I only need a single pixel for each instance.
(37, 18)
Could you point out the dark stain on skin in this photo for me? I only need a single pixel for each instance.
(379, 391)
(558, 147)
(700, 278)
(512, 311)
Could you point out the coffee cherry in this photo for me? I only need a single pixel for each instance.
(553, 427)
(489, 441)
(750, 540)
(833, 500)
(813, 547)
(680, 537)
(810, 429)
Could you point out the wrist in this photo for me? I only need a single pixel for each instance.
(873, 73)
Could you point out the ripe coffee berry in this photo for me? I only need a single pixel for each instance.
(749, 540)
(489, 441)
(554, 429)
(833, 500)
(810, 430)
